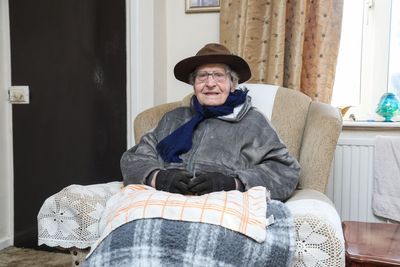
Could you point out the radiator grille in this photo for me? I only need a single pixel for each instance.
(350, 183)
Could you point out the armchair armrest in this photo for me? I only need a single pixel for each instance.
(70, 217)
(319, 238)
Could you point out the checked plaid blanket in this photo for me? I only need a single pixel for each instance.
(156, 228)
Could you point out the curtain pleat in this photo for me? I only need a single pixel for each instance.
(291, 43)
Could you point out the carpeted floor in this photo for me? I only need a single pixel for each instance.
(23, 257)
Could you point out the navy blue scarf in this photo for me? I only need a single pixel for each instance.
(180, 141)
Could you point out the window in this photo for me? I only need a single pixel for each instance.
(394, 58)
(369, 56)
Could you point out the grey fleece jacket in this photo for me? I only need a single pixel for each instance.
(242, 144)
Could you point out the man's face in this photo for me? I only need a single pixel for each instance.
(212, 84)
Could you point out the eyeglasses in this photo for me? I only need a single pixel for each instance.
(218, 76)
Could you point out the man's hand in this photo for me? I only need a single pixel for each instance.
(173, 181)
(209, 182)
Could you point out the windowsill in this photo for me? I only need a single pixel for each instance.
(370, 125)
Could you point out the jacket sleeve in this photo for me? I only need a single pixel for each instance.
(272, 166)
(138, 162)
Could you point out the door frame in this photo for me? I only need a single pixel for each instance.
(6, 139)
(140, 60)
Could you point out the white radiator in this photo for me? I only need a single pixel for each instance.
(350, 184)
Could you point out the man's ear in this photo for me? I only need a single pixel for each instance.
(234, 85)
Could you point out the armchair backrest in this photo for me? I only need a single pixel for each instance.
(309, 129)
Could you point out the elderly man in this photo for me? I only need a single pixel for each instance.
(219, 143)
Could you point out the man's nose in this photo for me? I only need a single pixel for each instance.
(210, 80)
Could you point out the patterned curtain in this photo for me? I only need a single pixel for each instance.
(290, 43)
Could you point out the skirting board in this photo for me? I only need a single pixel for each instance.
(5, 242)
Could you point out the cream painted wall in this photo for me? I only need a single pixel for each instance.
(185, 35)
(6, 180)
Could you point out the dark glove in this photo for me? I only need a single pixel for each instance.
(173, 181)
(209, 182)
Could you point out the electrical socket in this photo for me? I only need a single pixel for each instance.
(19, 94)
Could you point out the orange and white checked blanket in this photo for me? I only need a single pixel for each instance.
(237, 211)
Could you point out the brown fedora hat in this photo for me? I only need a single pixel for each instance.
(212, 53)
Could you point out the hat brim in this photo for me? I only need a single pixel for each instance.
(186, 66)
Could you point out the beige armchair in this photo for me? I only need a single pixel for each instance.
(309, 129)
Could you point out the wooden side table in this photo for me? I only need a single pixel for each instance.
(372, 244)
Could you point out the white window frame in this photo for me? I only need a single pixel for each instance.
(375, 53)
(375, 47)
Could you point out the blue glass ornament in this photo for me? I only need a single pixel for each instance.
(388, 106)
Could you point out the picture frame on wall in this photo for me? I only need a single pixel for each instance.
(202, 6)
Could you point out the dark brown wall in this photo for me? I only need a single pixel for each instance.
(72, 54)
